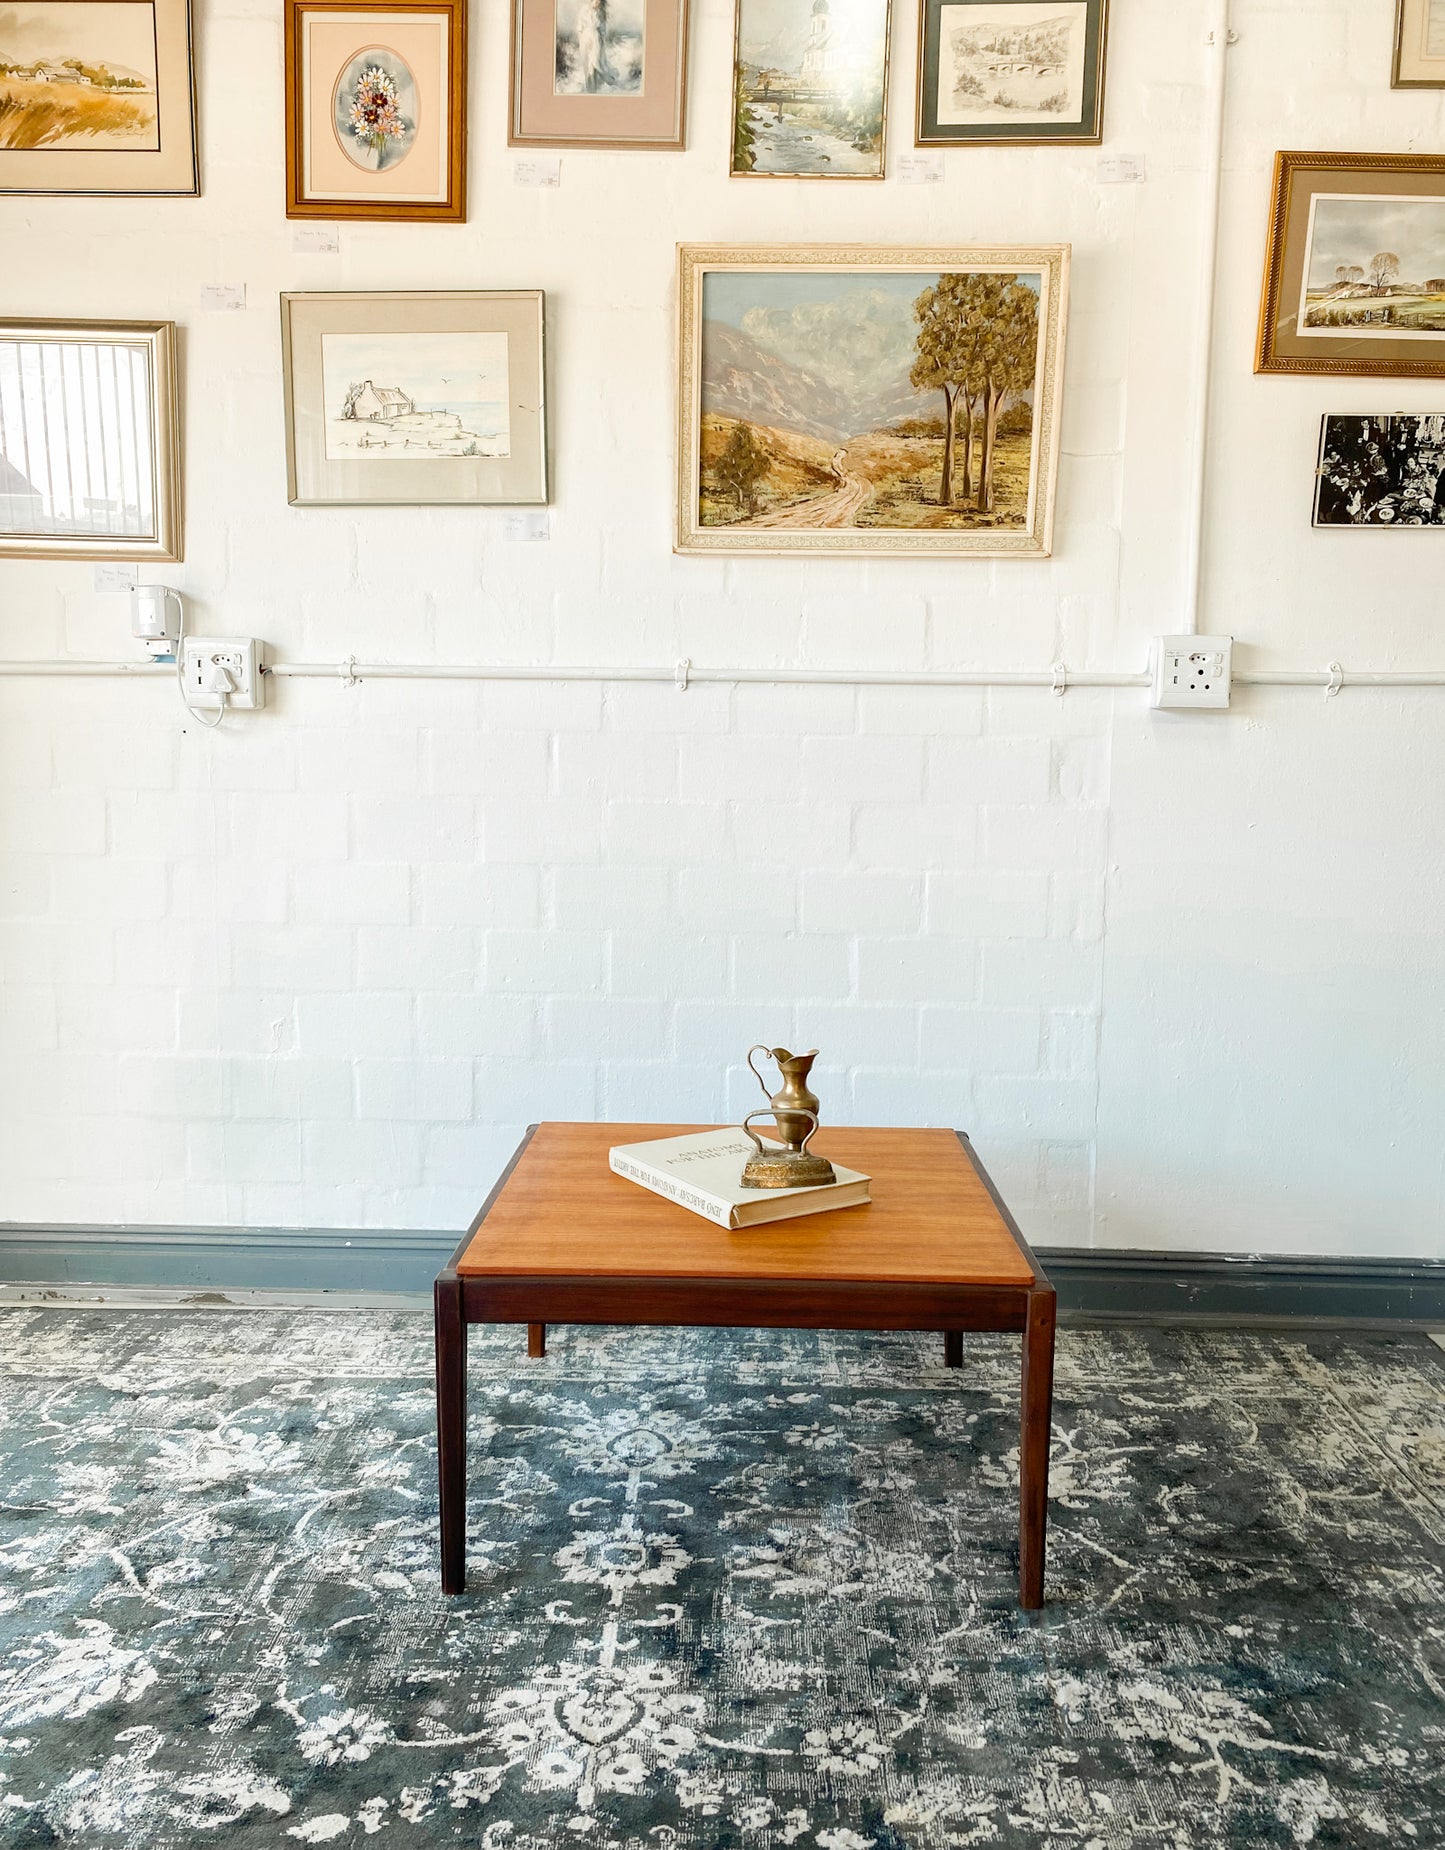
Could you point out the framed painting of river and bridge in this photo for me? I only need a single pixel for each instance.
(810, 87)
(1021, 71)
(845, 398)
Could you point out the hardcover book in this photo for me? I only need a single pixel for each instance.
(704, 1174)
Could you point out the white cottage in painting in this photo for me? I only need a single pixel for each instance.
(378, 401)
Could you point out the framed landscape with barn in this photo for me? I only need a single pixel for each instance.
(845, 398)
(1354, 277)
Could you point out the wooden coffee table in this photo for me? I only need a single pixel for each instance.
(561, 1239)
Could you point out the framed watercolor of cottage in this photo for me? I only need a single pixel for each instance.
(850, 398)
(97, 96)
(410, 398)
(1011, 70)
(598, 73)
(376, 109)
(89, 440)
(1354, 275)
(810, 81)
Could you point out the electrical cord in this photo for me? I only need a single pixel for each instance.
(196, 713)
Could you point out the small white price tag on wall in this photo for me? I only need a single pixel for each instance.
(114, 578)
(531, 523)
(924, 169)
(222, 298)
(1120, 170)
(537, 170)
(316, 240)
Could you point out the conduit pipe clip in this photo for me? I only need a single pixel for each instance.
(347, 671)
(1336, 681)
(682, 673)
(1061, 680)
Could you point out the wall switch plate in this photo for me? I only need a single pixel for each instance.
(1192, 673)
(209, 661)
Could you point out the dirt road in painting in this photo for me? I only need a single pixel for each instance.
(836, 510)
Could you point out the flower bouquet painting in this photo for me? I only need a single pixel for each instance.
(376, 109)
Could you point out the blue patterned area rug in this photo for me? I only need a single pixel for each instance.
(745, 1589)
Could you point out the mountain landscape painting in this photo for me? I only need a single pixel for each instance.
(869, 400)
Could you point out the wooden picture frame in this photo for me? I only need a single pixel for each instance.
(415, 398)
(632, 92)
(1347, 234)
(993, 96)
(89, 440)
(103, 98)
(758, 326)
(816, 111)
(1419, 60)
(376, 109)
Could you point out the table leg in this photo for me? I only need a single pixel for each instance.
(953, 1348)
(451, 1346)
(1037, 1402)
(536, 1339)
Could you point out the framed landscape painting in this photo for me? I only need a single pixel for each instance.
(810, 83)
(1354, 275)
(414, 398)
(96, 96)
(1419, 45)
(1381, 472)
(1011, 70)
(842, 398)
(376, 109)
(89, 440)
(598, 73)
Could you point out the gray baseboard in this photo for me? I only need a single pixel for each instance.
(368, 1266)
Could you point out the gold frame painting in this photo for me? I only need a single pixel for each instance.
(818, 108)
(869, 399)
(89, 440)
(97, 99)
(1419, 46)
(1346, 286)
(376, 109)
(585, 76)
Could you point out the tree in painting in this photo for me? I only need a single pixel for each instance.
(1384, 268)
(977, 340)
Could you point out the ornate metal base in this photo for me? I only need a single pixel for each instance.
(787, 1169)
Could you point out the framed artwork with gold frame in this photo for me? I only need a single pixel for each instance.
(1419, 45)
(598, 74)
(1011, 71)
(1349, 287)
(89, 440)
(376, 109)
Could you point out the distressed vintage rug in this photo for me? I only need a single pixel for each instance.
(727, 1589)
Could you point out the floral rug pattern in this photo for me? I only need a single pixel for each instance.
(734, 1589)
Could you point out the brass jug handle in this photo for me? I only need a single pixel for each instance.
(793, 1111)
(760, 1047)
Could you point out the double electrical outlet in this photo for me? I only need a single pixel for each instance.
(222, 671)
(1192, 673)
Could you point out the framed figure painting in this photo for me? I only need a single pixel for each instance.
(97, 96)
(376, 109)
(850, 398)
(810, 86)
(598, 73)
(1419, 45)
(1354, 273)
(89, 440)
(1011, 71)
(414, 398)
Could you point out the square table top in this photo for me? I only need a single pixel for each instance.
(562, 1212)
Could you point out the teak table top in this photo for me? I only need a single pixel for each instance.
(563, 1212)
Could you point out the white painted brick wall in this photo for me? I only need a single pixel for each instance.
(321, 966)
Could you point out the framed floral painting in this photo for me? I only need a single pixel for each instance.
(376, 109)
(97, 96)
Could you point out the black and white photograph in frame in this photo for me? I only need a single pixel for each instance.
(1381, 472)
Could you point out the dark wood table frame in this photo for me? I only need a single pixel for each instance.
(804, 1304)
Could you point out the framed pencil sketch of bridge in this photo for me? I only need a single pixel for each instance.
(1011, 70)
(851, 398)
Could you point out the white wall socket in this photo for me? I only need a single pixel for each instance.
(1191, 673)
(207, 659)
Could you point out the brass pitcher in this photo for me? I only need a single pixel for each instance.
(795, 1109)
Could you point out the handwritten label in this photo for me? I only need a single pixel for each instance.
(533, 523)
(220, 298)
(1120, 170)
(316, 240)
(114, 577)
(537, 170)
(919, 169)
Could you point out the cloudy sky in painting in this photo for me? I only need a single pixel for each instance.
(117, 33)
(1351, 229)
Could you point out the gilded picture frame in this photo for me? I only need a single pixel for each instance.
(869, 399)
(101, 99)
(89, 440)
(1341, 296)
(415, 398)
(376, 109)
(1419, 60)
(971, 90)
(810, 89)
(589, 76)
